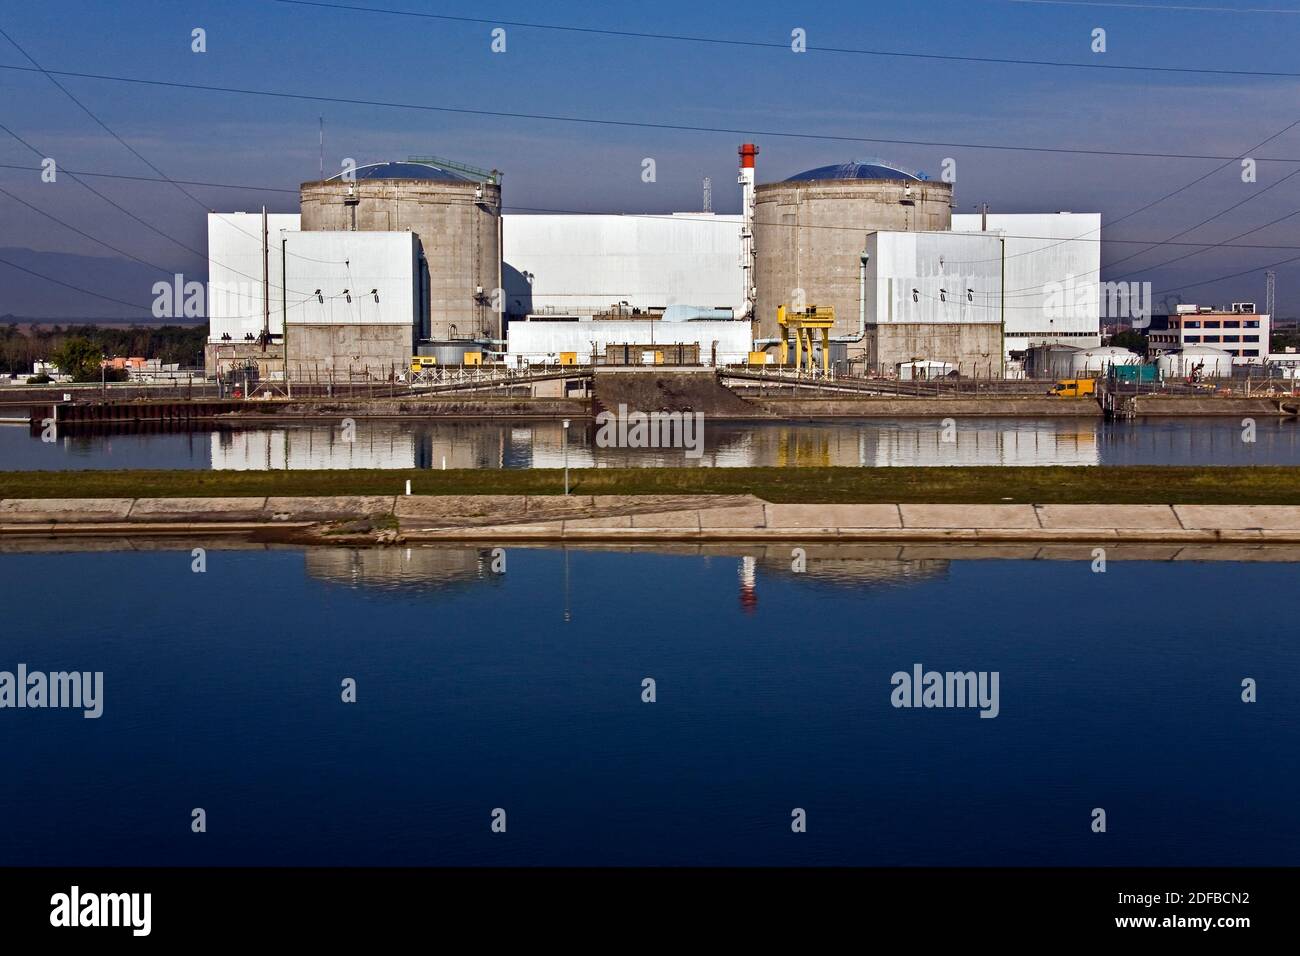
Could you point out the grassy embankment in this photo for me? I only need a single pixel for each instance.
(1103, 485)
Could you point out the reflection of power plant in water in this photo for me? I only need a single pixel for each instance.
(461, 445)
(973, 443)
(312, 447)
(416, 569)
(438, 569)
(475, 444)
(841, 565)
(363, 444)
(876, 444)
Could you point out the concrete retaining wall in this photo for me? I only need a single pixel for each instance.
(661, 517)
(1009, 407)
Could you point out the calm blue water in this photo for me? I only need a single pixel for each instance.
(469, 444)
(520, 691)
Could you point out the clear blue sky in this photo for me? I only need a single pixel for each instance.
(268, 45)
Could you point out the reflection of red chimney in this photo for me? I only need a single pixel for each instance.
(747, 153)
(748, 585)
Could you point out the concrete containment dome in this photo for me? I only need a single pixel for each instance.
(810, 231)
(874, 169)
(406, 170)
(457, 219)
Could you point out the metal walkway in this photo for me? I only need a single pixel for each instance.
(827, 382)
(437, 381)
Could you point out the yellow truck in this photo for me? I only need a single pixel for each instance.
(1074, 388)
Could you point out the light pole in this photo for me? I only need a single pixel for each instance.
(103, 378)
(564, 445)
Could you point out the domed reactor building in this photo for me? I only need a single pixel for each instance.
(455, 213)
(811, 231)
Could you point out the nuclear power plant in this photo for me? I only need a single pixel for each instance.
(858, 268)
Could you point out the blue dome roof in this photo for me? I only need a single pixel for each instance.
(876, 169)
(406, 171)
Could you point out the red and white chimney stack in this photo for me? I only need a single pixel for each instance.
(748, 151)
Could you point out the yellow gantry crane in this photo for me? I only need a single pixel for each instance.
(805, 323)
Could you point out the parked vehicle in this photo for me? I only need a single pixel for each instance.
(1074, 388)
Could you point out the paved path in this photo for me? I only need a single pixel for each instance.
(655, 517)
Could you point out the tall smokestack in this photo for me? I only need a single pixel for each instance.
(746, 180)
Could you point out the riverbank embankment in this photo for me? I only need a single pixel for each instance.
(495, 519)
(750, 408)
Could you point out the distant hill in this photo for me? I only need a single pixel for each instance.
(27, 298)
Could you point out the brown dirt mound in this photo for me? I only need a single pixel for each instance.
(647, 391)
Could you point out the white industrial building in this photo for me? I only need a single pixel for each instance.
(322, 281)
(367, 283)
(1052, 278)
(236, 303)
(591, 264)
(548, 342)
(934, 296)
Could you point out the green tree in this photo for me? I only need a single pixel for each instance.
(79, 358)
(1131, 340)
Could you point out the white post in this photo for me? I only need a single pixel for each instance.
(564, 442)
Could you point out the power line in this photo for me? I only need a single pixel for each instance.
(1171, 8)
(154, 179)
(785, 46)
(123, 209)
(111, 202)
(634, 124)
(1236, 205)
(108, 245)
(85, 109)
(720, 219)
(1223, 212)
(1197, 252)
(716, 220)
(89, 112)
(1235, 275)
(122, 252)
(1226, 244)
(69, 285)
(68, 225)
(1183, 188)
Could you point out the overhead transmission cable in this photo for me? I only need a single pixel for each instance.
(111, 132)
(634, 124)
(783, 45)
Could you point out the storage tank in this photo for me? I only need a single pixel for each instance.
(448, 353)
(455, 214)
(810, 230)
(1097, 361)
(1191, 359)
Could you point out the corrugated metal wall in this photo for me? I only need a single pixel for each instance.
(582, 264)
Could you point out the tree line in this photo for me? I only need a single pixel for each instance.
(22, 345)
